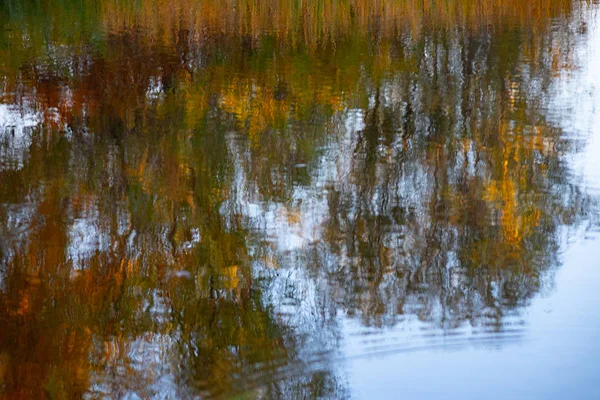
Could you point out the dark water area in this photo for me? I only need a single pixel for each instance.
(299, 199)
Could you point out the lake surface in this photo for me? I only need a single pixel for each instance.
(299, 199)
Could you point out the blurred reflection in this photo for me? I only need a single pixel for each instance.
(196, 196)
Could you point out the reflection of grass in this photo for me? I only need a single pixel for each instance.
(315, 22)
(301, 23)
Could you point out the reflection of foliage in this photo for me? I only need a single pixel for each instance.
(454, 195)
(472, 224)
(128, 238)
(264, 62)
(164, 264)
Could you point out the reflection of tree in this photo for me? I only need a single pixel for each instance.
(129, 254)
(164, 263)
(455, 194)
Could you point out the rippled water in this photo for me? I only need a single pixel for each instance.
(299, 199)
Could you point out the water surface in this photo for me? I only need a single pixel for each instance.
(294, 199)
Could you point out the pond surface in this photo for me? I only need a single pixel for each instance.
(299, 199)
